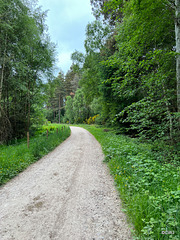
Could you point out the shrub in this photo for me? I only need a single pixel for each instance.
(92, 120)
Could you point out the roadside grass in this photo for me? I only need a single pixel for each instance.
(150, 190)
(15, 158)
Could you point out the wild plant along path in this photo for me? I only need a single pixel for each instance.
(67, 195)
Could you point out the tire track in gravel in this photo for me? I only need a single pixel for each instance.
(67, 195)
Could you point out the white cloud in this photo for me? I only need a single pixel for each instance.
(67, 20)
(64, 60)
(76, 9)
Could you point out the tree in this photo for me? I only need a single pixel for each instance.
(12, 13)
(26, 53)
(111, 10)
(138, 70)
(79, 107)
(96, 36)
(69, 109)
(177, 33)
(71, 81)
(56, 94)
(78, 59)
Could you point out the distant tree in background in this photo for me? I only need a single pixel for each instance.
(69, 115)
(56, 97)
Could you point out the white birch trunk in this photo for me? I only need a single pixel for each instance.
(2, 75)
(177, 32)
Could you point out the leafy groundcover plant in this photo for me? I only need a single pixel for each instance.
(15, 158)
(150, 190)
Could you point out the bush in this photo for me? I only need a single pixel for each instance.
(92, 120)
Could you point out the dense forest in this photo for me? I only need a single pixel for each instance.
(128, 78)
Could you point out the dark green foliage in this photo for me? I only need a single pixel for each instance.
(132, 69)
(26, 54)
(55, 92)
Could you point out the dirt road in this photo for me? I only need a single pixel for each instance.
(67, 195)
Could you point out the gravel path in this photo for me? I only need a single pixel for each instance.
(67, 195)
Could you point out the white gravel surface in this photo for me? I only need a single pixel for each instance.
(67, 195)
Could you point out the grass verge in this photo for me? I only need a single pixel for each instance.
(15, 158)
(150, 190)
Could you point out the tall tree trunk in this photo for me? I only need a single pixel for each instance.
(168, 112)
(28, 107)
(59, 108)
(2, 74)
(177, 32)
(1, 82)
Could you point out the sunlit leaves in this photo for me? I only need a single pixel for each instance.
(96, 36)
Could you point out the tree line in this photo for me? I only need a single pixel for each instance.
(129, 74)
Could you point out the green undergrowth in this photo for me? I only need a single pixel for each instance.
(15, 158)
(149, 189)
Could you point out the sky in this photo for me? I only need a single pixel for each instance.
(67, 21)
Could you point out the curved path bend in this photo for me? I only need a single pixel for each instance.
(67, 195)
